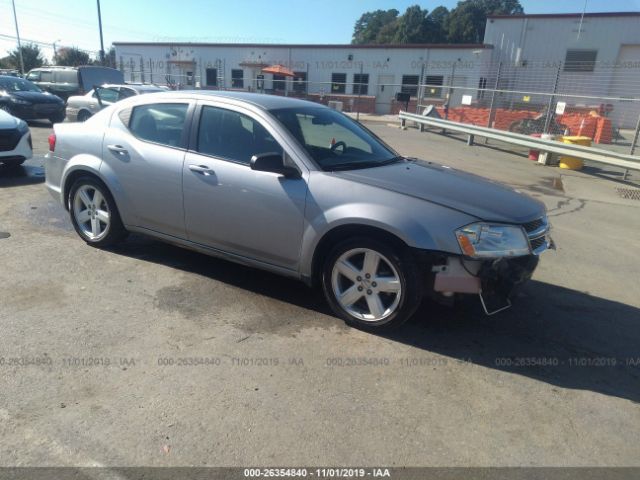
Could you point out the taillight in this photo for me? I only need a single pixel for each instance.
(52, 142)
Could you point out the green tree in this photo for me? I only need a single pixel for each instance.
(437, 25)
(71, 57)
(31, 55)
(412, 26)
(375, 27)
(466, 23)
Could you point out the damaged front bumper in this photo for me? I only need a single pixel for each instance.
(495, 281)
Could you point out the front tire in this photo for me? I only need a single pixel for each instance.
(58, 118)
(370, 284)
(94, 213)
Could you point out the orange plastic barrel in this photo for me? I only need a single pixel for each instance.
(534, 154)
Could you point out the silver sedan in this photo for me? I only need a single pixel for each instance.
(81, 107)
(298, 189)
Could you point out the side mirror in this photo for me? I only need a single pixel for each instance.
(273, 162)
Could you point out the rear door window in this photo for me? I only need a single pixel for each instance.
(161, 123)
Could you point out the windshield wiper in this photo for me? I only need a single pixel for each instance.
(358, 165)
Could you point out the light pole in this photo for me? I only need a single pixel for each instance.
(101, 41)
(15, 19)
(55, 50)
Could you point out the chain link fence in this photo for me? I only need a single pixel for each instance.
(599, 100)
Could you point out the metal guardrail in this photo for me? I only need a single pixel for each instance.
(599, 155)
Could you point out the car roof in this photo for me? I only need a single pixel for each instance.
(134, 86)
(262, 100)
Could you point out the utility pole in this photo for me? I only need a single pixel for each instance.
(15, 19)
(101, 41)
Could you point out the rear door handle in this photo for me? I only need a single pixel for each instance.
(119, 149)
(203, 169)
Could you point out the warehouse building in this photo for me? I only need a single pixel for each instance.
(591, 59)
(368, 74)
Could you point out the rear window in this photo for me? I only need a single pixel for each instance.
(161, 123)
(66, 76)
(92, 76)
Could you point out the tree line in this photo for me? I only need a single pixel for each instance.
(463, 24)
(66, 56)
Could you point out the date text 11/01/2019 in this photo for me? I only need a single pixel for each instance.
(317, 472)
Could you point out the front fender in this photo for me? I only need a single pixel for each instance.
(433, 229)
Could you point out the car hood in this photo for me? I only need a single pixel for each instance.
(465, 192)
(37, 97)
(8, 121)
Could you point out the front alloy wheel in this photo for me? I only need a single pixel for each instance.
(94, 214)
(371, 285)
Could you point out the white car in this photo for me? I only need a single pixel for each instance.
(15, 140)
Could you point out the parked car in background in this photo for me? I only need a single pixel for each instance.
(68, 81)
(27, 101)
(10, 72)
(82, 107)
(301, 190)
(15, 140)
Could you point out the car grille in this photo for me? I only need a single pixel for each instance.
(537, 233)
(9, 139)
(46, 108)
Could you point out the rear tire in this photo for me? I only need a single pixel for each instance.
(83, 116)
(370, 284)
(94, 213)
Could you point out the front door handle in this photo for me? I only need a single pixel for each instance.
(119, 149)
(203, 169)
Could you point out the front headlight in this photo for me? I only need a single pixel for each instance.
(19, 101)
(23, 127)
(485, 240)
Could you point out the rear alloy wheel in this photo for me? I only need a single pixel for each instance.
(94, 214)
(371, 285)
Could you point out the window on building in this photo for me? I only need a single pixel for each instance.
(482, 85)
(233, 136)
(300, 82)
(360, 83)
(212, 77)
(580, 60)
(279, 82)
(432, 86)
(161, 123)
(410, 84)
(338, 82)
(237, 78)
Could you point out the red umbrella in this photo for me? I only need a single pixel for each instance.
(279, 70)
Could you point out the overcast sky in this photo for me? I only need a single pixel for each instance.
(75, 22)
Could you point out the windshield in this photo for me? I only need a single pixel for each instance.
(333, 140)
(17, 85)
